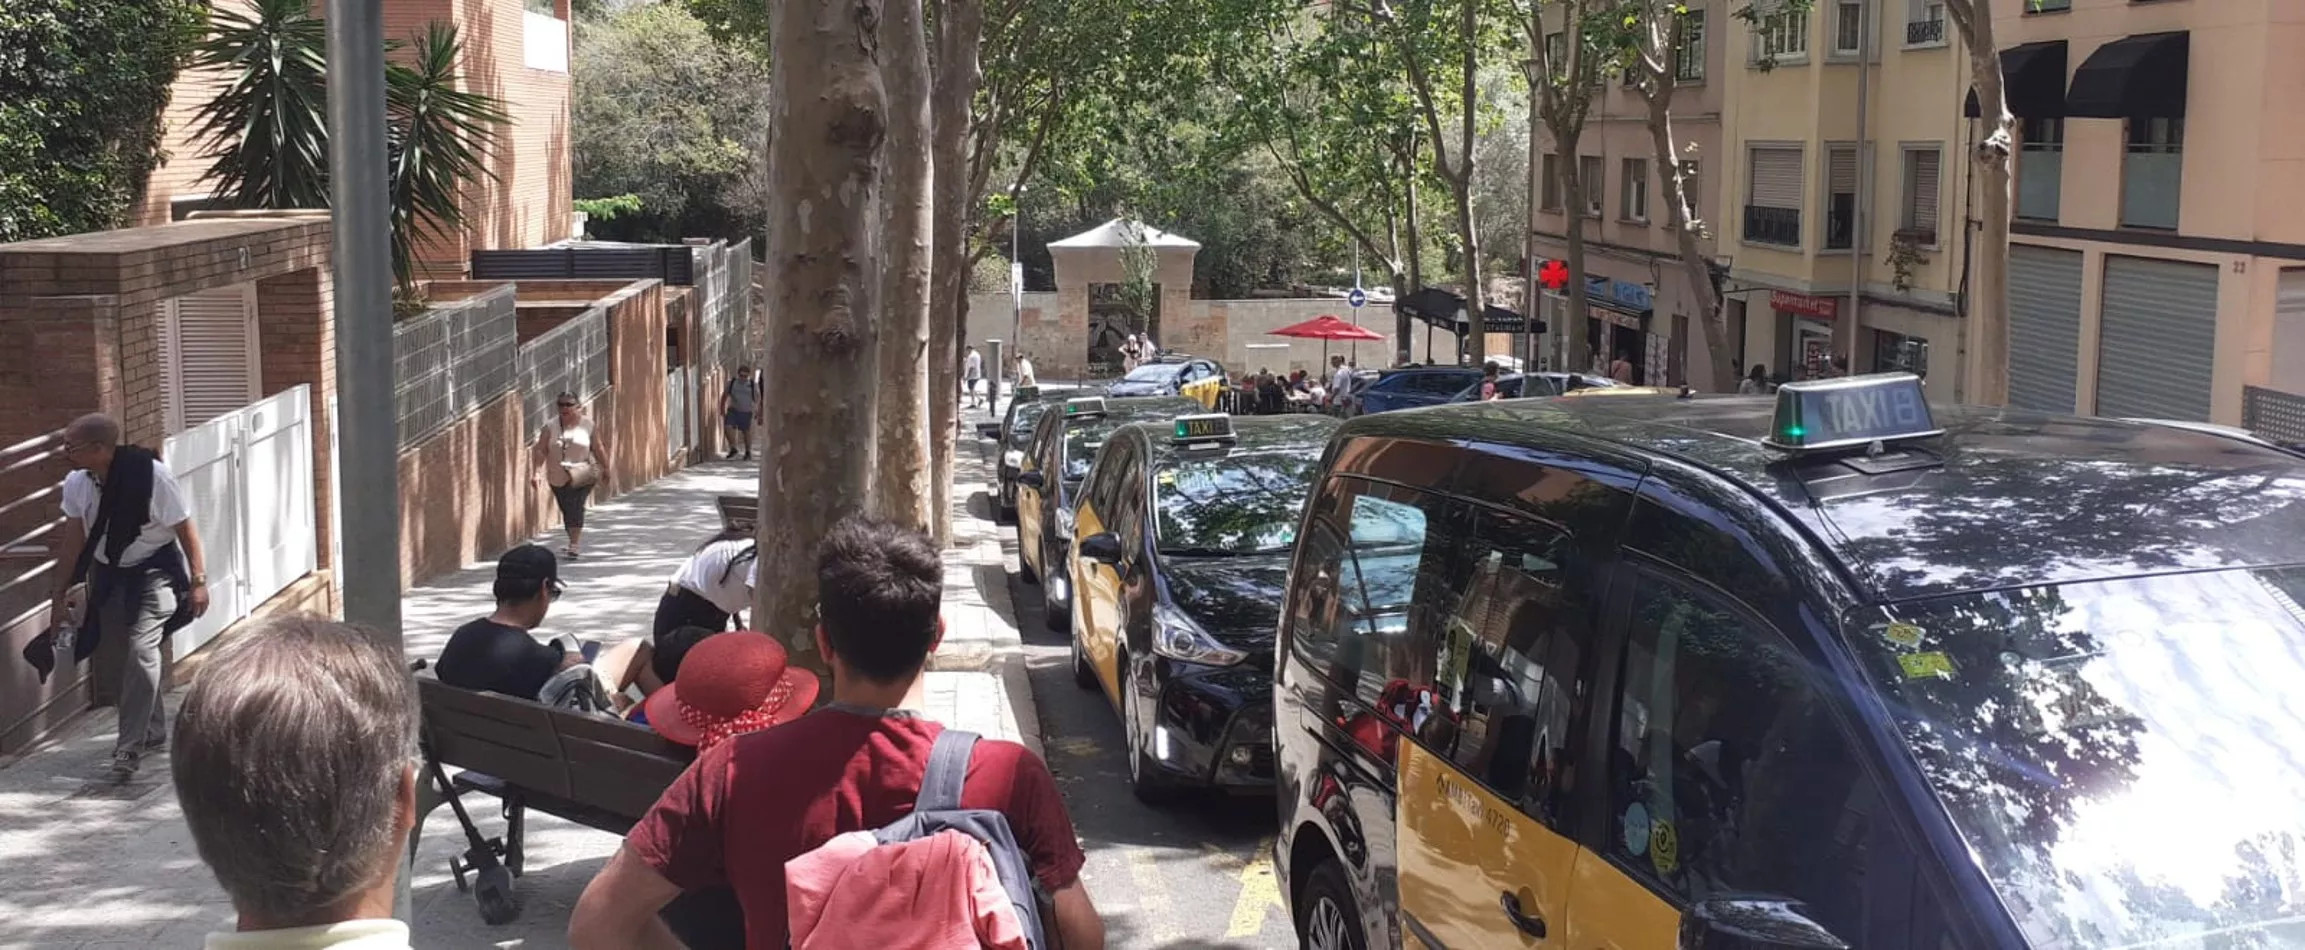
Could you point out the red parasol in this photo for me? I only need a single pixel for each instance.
(1327, 327)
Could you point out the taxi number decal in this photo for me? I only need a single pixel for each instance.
(1902, 634)
(1665, 847)
(1464, 798)
(1924, 665)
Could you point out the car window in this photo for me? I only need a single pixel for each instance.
(1152, 373)
(1446, 384)
(1728, 772)
(1360, 575)
(1512, 668)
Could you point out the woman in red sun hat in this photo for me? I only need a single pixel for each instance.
(728, 685)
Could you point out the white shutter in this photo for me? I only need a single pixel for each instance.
(212, 353)
(1777, 178)
(1921, 193)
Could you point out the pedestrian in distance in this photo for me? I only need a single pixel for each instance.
(1340, 384)
(1489, 390)
(1621, 369)
(129, 536)
(569, 452)
(1755, 383)
(739, 407)
(1024, 374)
(295, 770)
(854, 765)
(971, 376)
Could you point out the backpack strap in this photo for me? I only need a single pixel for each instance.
(940, 785)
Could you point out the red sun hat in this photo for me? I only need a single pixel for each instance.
(729, 684)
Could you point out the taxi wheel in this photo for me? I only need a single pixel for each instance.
(1326, 917)
(1057, 616)
(1083, 675)
(1024, 564)
(1145, 780)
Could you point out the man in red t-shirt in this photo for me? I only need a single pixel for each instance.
(760, 799)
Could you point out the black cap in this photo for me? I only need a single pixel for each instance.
(528, 564)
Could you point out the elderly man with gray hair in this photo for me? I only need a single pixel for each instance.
(295, 768)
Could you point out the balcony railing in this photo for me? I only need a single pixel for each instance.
(1773, 225)
(1840, 226)
(1924, 32)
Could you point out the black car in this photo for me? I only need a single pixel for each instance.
(1048, 483)
(1185, 530)
(1517, 385)
(1169, 376)
(1409, 387)
(1832, 669)
(1014, 434)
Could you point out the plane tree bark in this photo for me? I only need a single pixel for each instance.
(903, 488)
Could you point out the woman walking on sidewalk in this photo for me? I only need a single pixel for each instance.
(568, 453)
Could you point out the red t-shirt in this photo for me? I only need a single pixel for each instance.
(761, 799)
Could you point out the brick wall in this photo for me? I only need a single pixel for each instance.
(631, 410)
(467, 493)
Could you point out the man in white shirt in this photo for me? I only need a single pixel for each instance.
(131, 537)
(296, 773)
(1340, 383)
(971, 373)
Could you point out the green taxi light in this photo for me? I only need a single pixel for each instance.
(1211, 427)
(1084, 406)
(1851, 411)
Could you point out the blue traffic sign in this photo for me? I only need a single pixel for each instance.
(1357, 298)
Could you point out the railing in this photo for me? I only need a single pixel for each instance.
(2040, 175)
(1840, 228)
(1922, 32)
(453, 360)
(2149, 187)
(1773, 225)
(572, 357)
(2274, 415)
(248, 478)
(723, 300)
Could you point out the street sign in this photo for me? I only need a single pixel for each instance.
(1357, 298)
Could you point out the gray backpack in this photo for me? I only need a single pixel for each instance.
(938, 809)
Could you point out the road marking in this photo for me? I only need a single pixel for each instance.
(1260, 890)
(1152, 895)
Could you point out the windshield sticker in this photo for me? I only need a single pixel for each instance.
(1637, 829)
(1665, 848)
(1925, 665)
(1167, 477)
(1902, 634)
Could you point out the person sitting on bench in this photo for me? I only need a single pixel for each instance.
(495, 653)
(664, 662)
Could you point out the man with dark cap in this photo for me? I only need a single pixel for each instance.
(496, 653)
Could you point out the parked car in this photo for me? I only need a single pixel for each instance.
(1411, 386)
(1193, 376)
(1516, 385)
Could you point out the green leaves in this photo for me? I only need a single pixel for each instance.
(439, 137)
(666, 112)
(82, 85)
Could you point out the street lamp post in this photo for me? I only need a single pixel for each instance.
(1015, 283)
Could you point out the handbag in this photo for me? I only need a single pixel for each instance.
(567, 474)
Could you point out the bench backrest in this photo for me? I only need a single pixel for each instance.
(613, 766)
(738, 512)
(616, 766)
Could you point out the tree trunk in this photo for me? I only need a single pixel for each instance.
(1468, 230)
(902, 485)
(959, 30)
(1576, 349)
(1720, 373)
(1988, 317)
(1416, 266)
(826, 100)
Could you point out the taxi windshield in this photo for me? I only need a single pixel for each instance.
(2126, 758)
(1232, 504)
(1080, 445)
(1154, 373)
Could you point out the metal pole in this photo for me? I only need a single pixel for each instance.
(1016, 293)
(1857, 233)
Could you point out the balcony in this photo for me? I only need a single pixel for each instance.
(1780, 226)
(2149, 185)
(1925, 33)
(2039, 174)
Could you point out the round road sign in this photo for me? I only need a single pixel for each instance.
(1357, 298)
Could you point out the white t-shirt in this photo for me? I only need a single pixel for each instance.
(707, 573)
(168, 510)
(573, 443)
(1341, 380)
(975, 368)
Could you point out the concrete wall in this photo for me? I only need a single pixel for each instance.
(1234, 332)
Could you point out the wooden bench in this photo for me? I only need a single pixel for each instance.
(739, 512)
(597, 772)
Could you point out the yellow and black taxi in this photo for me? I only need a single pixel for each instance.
(1829, 670)
(1048, 483)
(1174, 374)
(1184, 531)
(1014, 435)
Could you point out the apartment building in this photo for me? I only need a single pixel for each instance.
(1639, 298)
(2158, 262)
(515, 51)
(1845, 188)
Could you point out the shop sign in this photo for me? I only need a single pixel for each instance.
(1620, 293)
(1808, 305)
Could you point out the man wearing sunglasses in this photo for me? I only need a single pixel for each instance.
(496, 653)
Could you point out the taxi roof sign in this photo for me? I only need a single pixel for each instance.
(1083, 407)
(1202, 429)
(1850, 411)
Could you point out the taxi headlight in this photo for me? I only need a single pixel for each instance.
(1064, 523)
(1178, 637)
(1012, 458)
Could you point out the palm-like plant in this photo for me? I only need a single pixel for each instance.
(268, 127)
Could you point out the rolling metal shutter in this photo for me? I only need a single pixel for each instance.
(1921, 209)
(2044, 327)
(2159, 338)
(1777, 178)
(212, 362)
(1841, 172)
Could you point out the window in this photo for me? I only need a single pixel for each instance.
(1725, 749)
(1689, 47)
(1552, 184)
(1925, 23)
(1512, 667)
(1848, 28)
(1773, 197)
(1918, 222)
(1367, 554)
(2152, 172)
(2040, 167)
(1781, 37)
(1590, 178)
(1633, 201)
(1557, 53)
(1840, 197)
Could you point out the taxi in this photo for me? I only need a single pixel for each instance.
(1197, 378)
(1048, 483)
(1833, 669)
(1184, 534)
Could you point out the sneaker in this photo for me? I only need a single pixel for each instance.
(124, 763)
(570, 554)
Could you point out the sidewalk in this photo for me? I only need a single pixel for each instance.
(86, 865)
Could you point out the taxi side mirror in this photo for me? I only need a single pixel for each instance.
(988, 430)
(1102, 547)
(1755, 924)
(1033, 480)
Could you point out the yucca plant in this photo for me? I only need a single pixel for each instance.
(268, 127)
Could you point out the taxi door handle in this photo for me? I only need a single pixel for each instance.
(1529, 924)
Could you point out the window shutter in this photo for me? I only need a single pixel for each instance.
(1777, 178)
(212, 350)
(1841, 172)
(1921, 206)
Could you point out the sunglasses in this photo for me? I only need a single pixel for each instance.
(568, 405)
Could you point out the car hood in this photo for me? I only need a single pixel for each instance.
(1236, 599)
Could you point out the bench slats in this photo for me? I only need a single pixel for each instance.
(599, 772)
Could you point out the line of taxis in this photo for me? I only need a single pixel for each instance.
(1827, 669)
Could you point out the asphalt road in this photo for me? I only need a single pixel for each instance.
(1196, 874)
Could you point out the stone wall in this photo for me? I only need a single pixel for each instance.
(1237, 333)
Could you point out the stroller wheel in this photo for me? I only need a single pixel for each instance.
(493, 890)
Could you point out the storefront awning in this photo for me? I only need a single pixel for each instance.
(2032, 81)
(2134, 77)
(1440, 309)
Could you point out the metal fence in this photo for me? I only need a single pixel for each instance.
(453, 360)
(671, 263)
(572, 357)
(2273, 414)
(723, 301)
